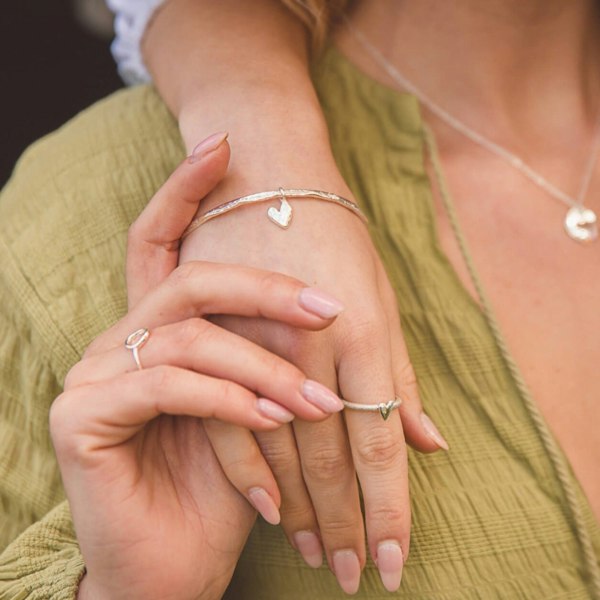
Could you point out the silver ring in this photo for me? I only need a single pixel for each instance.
(134, 342)
(384, 408)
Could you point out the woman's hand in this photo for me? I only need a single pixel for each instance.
(155, 516)
(268, 104)
(363, 355)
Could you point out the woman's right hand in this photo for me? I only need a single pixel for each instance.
(154, 514)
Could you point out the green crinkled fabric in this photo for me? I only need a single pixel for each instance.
(490, 519)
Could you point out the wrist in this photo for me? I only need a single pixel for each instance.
(83, 590)
(286, 145)
(258, 111)
(86, 590)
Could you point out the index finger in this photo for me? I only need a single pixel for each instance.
(153, 240)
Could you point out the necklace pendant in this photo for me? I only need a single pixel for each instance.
(581, 224)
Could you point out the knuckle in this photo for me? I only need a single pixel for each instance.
(281, 455)
(192, 331)
(407, 374)
(73, 377)
(379, 448)
(183, 273)
(56, 415)
(135, 231)
(299, 346)
(281, 371)
(159, 377)
(230, 392)
(341, 528)
(365, 335)
(95, 344)
(272, 284)
(324, 465)
(271, 280)
(296, 514)
(61, 420)
(391, 517)
(237, 464)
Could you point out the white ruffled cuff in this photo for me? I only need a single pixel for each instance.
(131, 19)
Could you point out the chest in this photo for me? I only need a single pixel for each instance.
(545, 292)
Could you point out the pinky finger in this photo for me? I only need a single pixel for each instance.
(244, 465)
(419, 430)
(111, 412)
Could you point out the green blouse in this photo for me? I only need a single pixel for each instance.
(490, 518)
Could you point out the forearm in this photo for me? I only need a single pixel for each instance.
(243, 67)
(193, 46)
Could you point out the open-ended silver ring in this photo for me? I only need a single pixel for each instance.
(134, 342)
(384, 408)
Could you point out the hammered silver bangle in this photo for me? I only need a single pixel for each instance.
(281, 216)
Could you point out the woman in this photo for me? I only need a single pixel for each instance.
(502, 528)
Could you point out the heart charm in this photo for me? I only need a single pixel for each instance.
(283, 216)
(580, 224)
(385, 408)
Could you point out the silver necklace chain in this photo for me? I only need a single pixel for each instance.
(580, 222)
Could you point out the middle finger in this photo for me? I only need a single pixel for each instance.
(326, 459)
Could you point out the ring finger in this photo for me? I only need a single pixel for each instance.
(325, 464)
(298, 518)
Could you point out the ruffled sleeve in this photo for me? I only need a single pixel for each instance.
(131, 19)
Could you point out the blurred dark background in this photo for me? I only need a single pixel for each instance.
(55, 61)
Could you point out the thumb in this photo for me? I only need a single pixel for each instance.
(153, 240)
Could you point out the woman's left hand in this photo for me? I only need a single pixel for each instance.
(141, 477)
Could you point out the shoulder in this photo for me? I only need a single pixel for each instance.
(65, 212)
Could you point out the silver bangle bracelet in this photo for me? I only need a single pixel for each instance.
(281, 216)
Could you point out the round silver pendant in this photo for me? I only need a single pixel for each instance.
(581, 224)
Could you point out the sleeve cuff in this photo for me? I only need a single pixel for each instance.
(131, 20)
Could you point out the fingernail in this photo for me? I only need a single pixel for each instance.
(319, 303)
(322, 397)
(265, 505)
(210, 144)
(347, 570)
(390, 562)
(310, 548)
(274, 411)
(432, 431)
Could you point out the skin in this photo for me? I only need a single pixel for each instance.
(538, 125)
(131, 444)
(363, 357)
(541, 100)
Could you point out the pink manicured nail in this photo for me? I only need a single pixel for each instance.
(210, 144)
(310, 548)
(432, 431)
(274, 411)
(347, 570)
(265, 505)
(319, 303)
(322, 397)
(390, 562)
